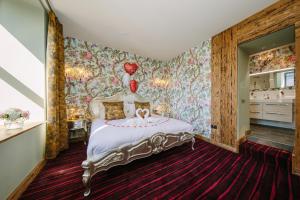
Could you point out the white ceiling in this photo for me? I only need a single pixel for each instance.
(160, 29)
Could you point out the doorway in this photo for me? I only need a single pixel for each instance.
(266, 89)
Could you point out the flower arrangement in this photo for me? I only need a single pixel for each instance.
(13, 114)
(14, 118)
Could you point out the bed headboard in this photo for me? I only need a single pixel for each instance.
(98, 111)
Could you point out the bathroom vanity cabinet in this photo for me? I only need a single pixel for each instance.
(272, 110)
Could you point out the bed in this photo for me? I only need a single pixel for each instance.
(118, 142)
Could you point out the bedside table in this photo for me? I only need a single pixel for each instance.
(79, 130)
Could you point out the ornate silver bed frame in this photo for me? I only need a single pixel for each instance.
(153, 145)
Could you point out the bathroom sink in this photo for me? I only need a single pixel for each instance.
(285, 100)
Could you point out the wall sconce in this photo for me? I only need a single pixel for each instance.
(74, 113)
(163, 83)
(77, 72)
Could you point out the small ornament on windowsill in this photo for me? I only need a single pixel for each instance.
(14, 118)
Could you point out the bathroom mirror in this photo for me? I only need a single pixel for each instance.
(281, 79)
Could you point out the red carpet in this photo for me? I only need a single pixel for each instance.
(266, 154)
(209, 172)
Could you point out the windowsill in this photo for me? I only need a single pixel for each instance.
(8, 134)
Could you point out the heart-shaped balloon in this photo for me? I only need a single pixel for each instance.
(142, 113)
(133, 86)
(130, 68)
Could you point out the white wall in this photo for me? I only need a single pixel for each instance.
(243, 93)
(19, 155)
(22, 84)
(22, 56)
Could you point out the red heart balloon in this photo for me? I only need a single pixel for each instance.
(133, 86)
(130, 68)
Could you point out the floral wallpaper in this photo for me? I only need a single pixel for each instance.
(92, 70)
(190, 88)
(182, 83)
(279, 58)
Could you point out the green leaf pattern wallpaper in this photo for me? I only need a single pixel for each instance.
(103, 73)
(183, 83)
(190, 88)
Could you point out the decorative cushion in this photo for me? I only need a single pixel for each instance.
(114, 110)
(142, 105)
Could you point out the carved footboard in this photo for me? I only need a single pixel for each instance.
(153, 145)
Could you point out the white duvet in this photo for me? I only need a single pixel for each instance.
(107, 136)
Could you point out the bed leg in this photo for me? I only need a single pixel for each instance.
(86, 178)
(193, 142)
(87, 184)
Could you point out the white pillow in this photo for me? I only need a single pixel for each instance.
(97, 109)
(129, 109)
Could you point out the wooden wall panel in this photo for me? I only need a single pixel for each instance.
(280, 15)
(296, 153)
(228, 95)
(224, 87)
(215, 93)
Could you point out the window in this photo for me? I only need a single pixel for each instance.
(22, 82)
(285, 79)
(289, 79)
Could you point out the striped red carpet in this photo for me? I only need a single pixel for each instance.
(208, 172)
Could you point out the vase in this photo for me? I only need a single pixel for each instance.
(16, 124)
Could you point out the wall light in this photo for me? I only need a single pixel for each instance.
(77, 72)
(163, 83)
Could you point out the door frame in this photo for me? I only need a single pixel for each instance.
(279, 15)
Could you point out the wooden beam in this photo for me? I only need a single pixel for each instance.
(224, 87)
(217, 45)
(224, 77)
(280, 15)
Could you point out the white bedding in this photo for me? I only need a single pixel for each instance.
(107, 136)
